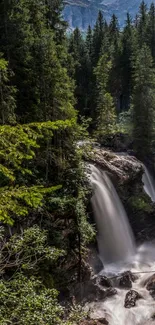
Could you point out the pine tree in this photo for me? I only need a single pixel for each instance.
(45, 91)
(89, 42)
(98, 37)
(114, 33)
(105, 115)
(81, 52)
(127, 48)
(142, 24)
(143, 103)
(151, 30)
(54, 16)
(115, 53)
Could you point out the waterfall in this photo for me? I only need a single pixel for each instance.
(118, 253)
(149, 184)
(115, 238)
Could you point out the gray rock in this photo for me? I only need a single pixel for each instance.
(150, 285)
(126, 280)
(105, 282)
(131, 297)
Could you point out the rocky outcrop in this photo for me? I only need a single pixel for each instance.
(131, 297)
(93, 291)
(126, 174)
(122, 167)
(150, 285)
(104, 282)
(126, 280)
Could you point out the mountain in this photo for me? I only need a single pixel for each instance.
(82, 13)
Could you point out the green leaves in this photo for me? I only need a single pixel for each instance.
(27, 302)
(7, 94)
(19, 201)
(27, 251)
(18, 145)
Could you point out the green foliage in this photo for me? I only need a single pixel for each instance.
(19, 201)
(27, 302)
(27, 251)
(7, 95)
(141, 203)
(125, 122)
(18, 144)
(87, 232)
(106, 117)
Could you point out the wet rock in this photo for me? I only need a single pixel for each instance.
(126, 280)
(103, 294)
(89, 291)
(105, 282)
(150, 285)
(92, 291)
(111, 292)
(131, 297)
(121, 167)
(152, 293)
(101, 321)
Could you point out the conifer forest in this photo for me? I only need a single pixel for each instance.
(63, 95)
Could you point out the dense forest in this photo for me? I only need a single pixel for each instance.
(57, 89)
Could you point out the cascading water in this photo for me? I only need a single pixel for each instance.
(115, 238)
(149, 184)
(118, 253)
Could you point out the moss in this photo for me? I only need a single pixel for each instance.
(141, 203)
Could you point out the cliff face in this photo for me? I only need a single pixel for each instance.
(82, 13)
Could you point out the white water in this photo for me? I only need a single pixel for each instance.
(115, 238)
(118, 253)
(113, 308)
(149, 184)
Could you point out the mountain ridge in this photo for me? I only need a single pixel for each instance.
(82, 13)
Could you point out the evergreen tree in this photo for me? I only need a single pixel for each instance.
(143, 102)
(115, 53)
(89, 42)
(114, 33)
(44, 89)
(142, 24)
(105, 115)
(127, 48)
(98, 37)
(54, 16)
(151, 30)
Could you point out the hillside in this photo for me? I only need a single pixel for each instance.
(82, 13)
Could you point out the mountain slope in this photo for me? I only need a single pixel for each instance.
(81, 13)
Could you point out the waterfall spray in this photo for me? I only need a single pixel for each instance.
(115, 238)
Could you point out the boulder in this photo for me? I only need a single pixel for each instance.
(110, 292)
(131, 297)
(121, 167)
(152, 293)
(92, 291)
(126, 280)
(105, 282)
(150, 285)
(89, 291)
